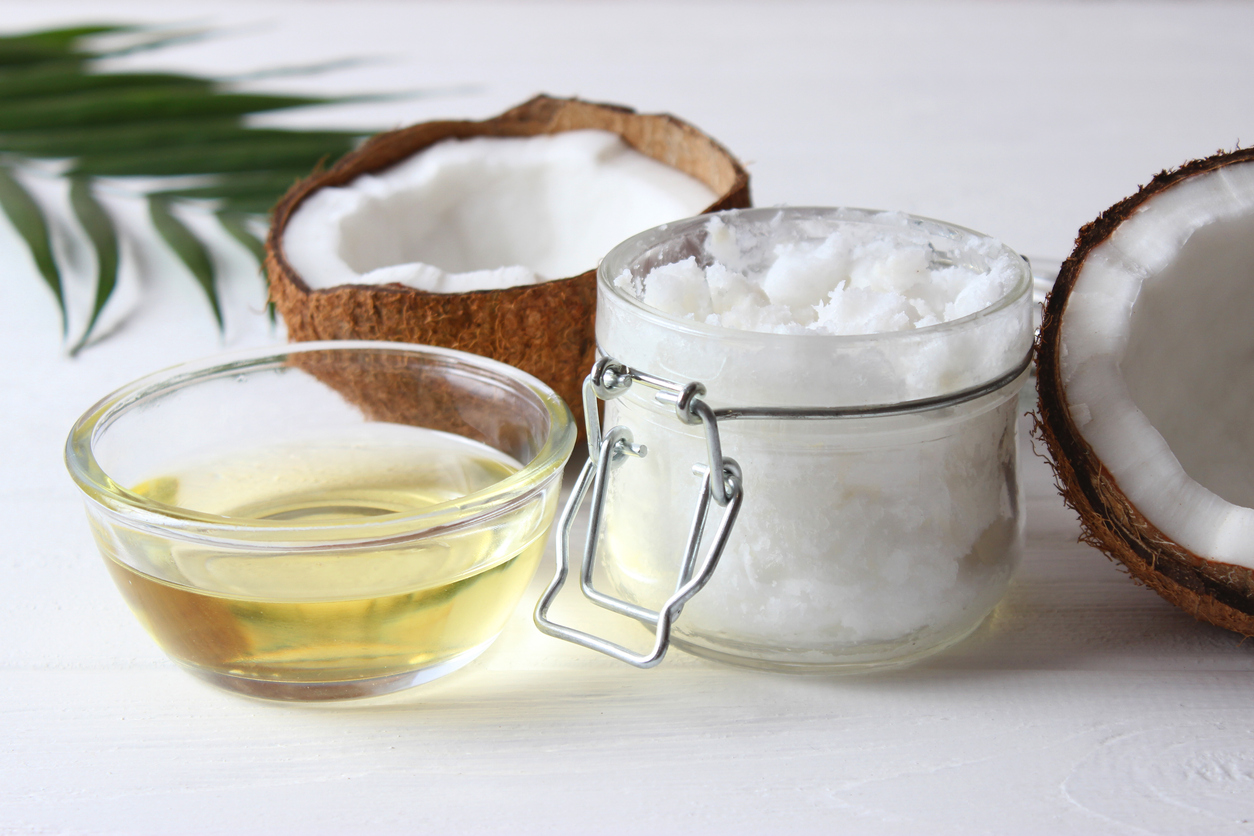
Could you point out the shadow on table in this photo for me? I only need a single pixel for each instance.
(1069, 610)
(1088, 625)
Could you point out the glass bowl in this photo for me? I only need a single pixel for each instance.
(324, 520)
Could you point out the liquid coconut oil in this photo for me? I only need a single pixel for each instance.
(282, 611)
(861, 541)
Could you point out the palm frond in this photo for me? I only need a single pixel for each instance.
(104, 241)
(28, 219)
(189, 249)
(55, 104)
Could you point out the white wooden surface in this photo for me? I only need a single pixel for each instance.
(1085, 704)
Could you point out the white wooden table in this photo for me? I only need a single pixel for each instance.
(1084, 705)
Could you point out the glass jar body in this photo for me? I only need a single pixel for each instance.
(861, 542)
(867, 539)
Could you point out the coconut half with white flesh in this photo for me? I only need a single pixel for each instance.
(488, 241)
(1146, 386)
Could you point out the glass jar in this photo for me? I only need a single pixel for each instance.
(881, 514)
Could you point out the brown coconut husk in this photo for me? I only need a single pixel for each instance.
(544, 329)
(1220, 593)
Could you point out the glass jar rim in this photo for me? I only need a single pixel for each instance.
(470, 509)
(624, 253)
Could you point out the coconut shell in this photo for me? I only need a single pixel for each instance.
(1220, 593)
(544, 329)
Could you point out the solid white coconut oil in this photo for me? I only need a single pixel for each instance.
(863, 540)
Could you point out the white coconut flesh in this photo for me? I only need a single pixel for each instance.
(488, 212)
(1157, 361)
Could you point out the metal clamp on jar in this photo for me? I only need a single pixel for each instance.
(885, 514)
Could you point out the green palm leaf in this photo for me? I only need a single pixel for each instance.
(236, 225)
(55, 105)
(134, 104)
(244, 153)
(104, 240)
(136, 136)
(258, 204)
(189, 249)
(65, 38)
(66, 77)
(28, 219)
(243, 185)
(19, 52)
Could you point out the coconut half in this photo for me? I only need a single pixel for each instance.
(1146, 386)
(544, 328)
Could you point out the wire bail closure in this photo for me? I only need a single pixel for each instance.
(721, 482)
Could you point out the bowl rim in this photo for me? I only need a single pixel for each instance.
(137, 511)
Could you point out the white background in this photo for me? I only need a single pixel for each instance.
(1085, 704)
